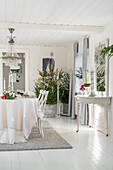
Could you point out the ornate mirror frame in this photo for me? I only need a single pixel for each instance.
(27, 68)
(101, 68)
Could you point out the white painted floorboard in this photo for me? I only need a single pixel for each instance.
(92, 150)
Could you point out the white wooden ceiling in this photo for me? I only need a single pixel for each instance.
(39, 22)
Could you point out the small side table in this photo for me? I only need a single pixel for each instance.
(93, 100)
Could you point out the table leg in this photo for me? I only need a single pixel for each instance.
(106, 119)
(78, 108)
(90, 114)
(93, 117)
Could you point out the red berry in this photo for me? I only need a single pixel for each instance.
(3, 97)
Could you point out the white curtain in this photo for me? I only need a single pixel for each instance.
(84, 107)
(80, 60)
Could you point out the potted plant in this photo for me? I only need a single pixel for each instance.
(49, 81)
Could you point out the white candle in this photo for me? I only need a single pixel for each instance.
(9, 78)
(9, 83)
(12, 83)
(58, 76)
(4, 85)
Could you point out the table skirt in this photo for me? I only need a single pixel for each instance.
(17, 117)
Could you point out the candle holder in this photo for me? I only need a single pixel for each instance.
(58, 106)
(92, 85)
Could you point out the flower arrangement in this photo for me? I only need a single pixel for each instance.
(86, 84)
(82, 88)
(8, 96)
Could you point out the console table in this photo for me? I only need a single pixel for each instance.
(93, 100)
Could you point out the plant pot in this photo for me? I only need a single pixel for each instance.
(50, 110)
(101, 93)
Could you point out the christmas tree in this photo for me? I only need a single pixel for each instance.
(49, 81)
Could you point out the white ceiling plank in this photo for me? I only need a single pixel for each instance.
(10, 10)
(18, 8)
(53, 21)
(72, 12)
(2, 10)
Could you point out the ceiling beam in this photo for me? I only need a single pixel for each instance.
(52, 27)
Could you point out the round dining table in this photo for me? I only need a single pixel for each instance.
(17, 118)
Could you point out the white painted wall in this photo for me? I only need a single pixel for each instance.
(36, 55)
(34, 61)
(94, 40)
(70, 57)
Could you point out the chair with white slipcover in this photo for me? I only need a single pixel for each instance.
(40, 114)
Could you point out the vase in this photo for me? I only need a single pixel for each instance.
(82, 92)
(87, 90)
(101, 93)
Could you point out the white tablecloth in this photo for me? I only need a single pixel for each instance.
(17, 117)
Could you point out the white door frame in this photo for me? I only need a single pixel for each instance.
(27, 68)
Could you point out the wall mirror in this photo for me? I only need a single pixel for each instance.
(100, 67)
(15, 74)
(65, 94)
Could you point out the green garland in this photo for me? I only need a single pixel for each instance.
(8, 96)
